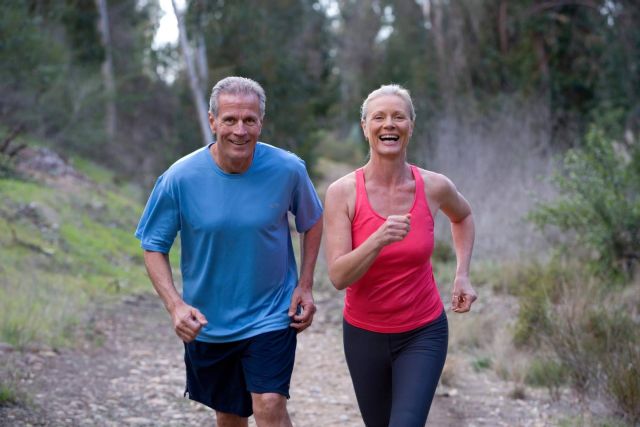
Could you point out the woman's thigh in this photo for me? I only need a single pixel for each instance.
(417, 364)
(369, 362)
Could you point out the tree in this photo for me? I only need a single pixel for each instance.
(284, 45)
(107, 70)
(194, 82)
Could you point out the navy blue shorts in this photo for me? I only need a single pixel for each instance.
(223, 375)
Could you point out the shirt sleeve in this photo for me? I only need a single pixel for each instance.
(305, 203)
(160, 221)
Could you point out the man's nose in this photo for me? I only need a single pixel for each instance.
(240, 128)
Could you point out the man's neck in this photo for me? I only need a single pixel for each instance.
(229, 165)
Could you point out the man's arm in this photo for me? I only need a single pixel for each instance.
(187, 320)
(303, 293)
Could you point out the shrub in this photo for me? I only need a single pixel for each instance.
(547, 372)
(597, 341)
(622, 371)
(538, 287)
(599, 204)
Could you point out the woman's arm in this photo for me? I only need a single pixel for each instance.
(346, 265)
(458, 210)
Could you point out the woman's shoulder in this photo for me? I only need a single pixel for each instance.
(343, 188)
(436, 183)
(343, 183)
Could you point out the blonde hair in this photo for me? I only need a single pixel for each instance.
(390, 89)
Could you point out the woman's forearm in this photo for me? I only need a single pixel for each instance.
(350, 267)
(463, 234)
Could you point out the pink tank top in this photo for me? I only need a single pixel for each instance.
(398, 293)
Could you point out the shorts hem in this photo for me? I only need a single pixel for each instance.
(268, 390)
(219, 408)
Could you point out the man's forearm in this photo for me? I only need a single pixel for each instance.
(310, 247)
(159, 270)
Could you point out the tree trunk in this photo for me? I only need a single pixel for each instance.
(433, 12)
(201, 61)
(194, 84)
(107, 70)
(502, 27)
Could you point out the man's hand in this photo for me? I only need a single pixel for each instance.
(302, 298)
(187, 321)
(463, 295)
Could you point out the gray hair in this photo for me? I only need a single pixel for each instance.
(237, 86)
(390, 89)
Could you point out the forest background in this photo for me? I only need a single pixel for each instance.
(531, 107)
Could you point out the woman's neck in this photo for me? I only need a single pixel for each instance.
(391, 172)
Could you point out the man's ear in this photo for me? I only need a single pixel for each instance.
(212, 122)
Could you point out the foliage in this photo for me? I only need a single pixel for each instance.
(538, 287)
(293, 65)
(63, 249)
(481, 364)
(585, 333)
(7, 169)
(578, 56)
(8, 395)
(547, 372)
(599, 204)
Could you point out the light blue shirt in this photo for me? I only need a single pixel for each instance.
(237, 260)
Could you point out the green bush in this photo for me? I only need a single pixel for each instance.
(481, 363)
(537, 286)
(547, 372)
(599, 205)
(8, 395)
(622, 371)
(598, 342)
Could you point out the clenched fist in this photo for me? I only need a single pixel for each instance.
(394, 229)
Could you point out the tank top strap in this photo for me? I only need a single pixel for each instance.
(417, 176)
(361, 191)
(421, 197)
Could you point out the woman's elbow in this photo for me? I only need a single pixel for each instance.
(337, 280)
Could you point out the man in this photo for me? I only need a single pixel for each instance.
(242, 301)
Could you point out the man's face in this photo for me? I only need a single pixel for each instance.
(237, 128)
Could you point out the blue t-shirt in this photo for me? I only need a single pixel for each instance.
(237, 262)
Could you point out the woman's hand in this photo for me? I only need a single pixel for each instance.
(394, 229)
(463, 294)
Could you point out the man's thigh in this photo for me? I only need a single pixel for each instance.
(268, 362)
(215, 376)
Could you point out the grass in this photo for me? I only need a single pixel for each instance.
(8, 395)
(63, 249)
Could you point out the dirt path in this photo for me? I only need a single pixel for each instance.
(135, 378)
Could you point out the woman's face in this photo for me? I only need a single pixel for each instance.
(387, 125)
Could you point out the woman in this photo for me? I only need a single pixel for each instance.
(379, 224)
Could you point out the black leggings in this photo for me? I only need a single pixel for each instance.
(395, 375)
